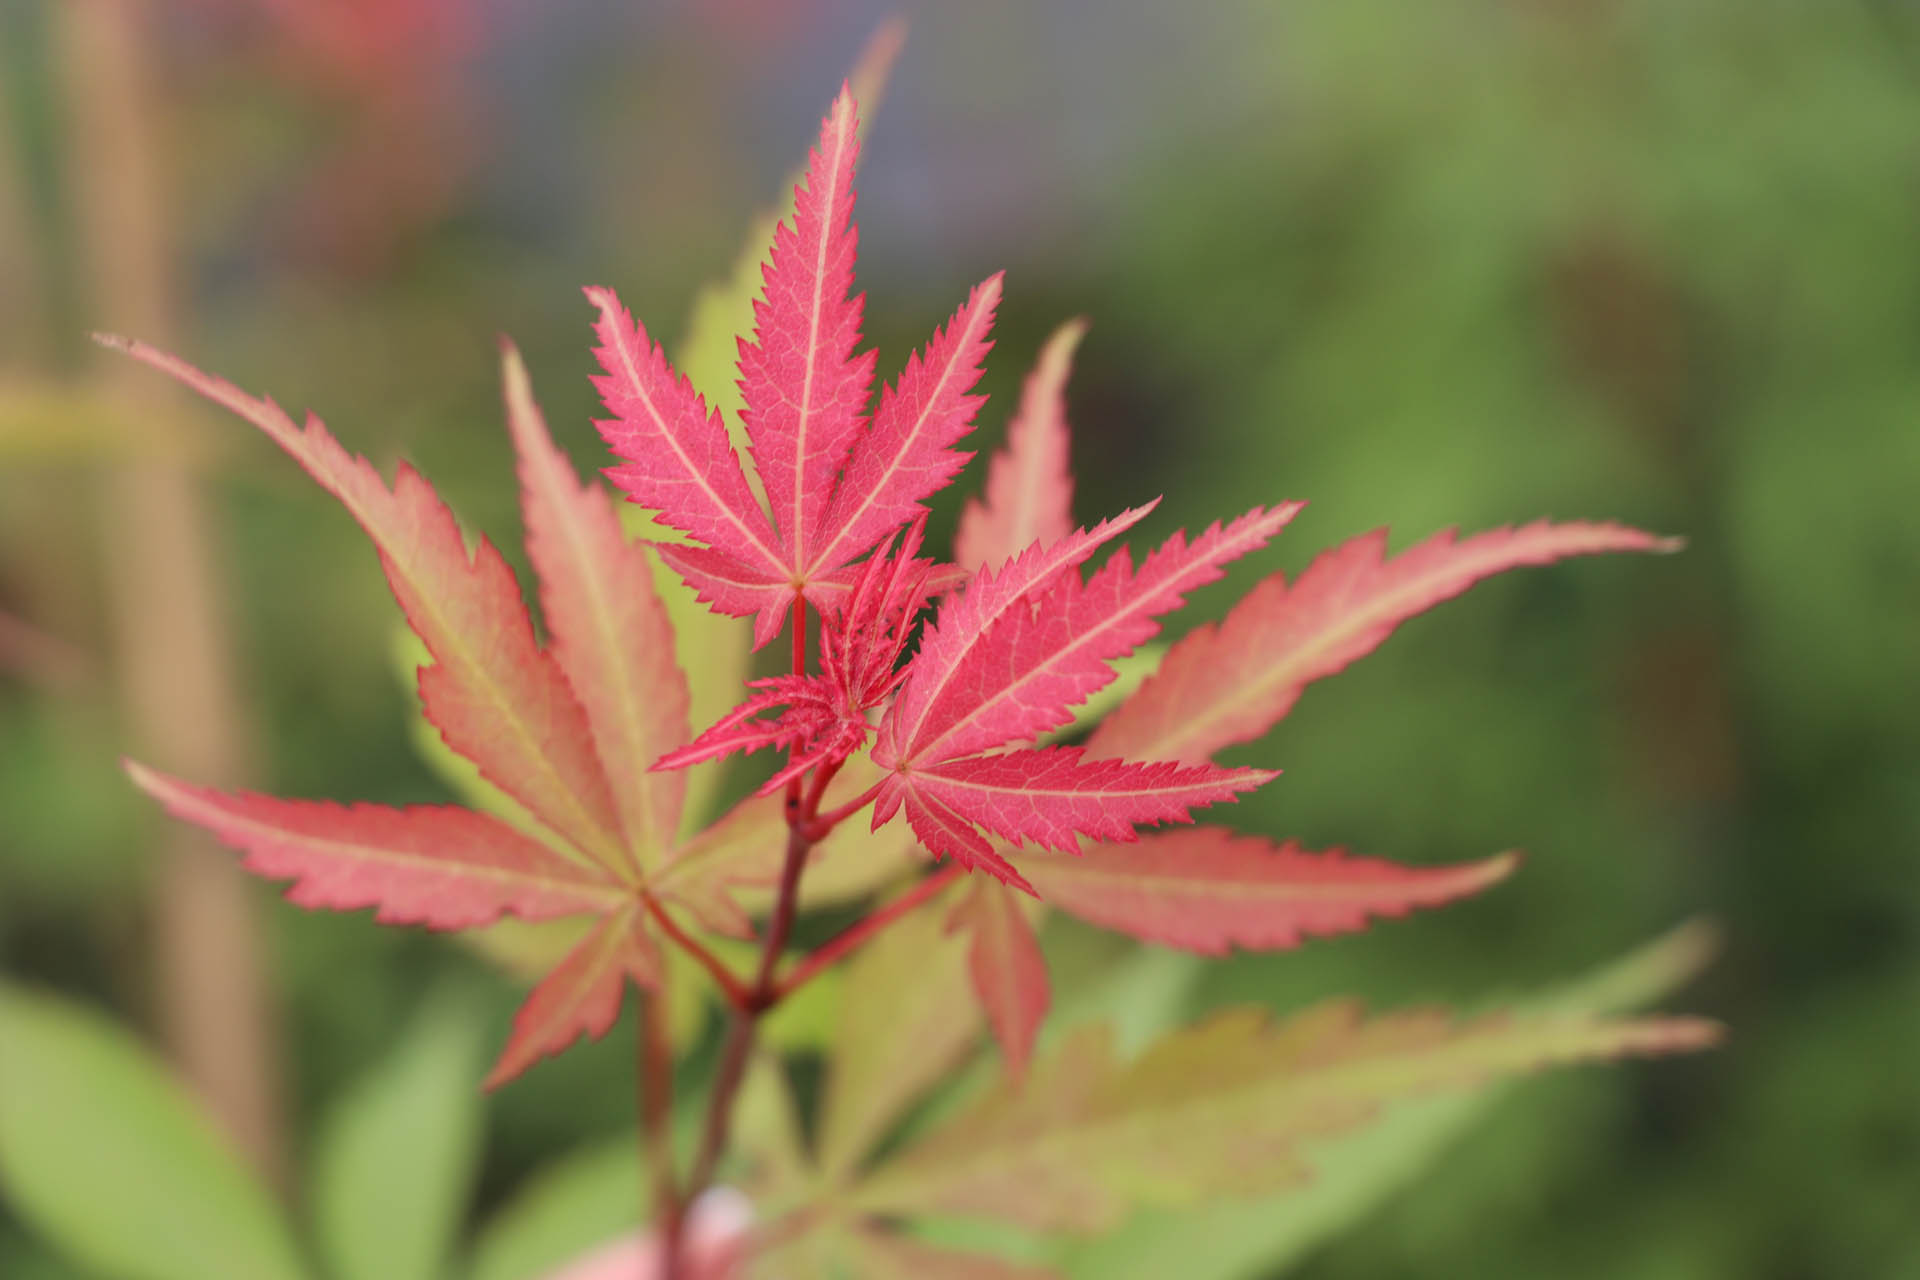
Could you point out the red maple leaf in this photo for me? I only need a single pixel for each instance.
(567, 731)
(836, 481)
(1205, 890)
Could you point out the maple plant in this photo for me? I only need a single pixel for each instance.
(922, 773)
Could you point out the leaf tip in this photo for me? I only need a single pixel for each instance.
(149, 780)
(1492, 871)
(1685, 1035)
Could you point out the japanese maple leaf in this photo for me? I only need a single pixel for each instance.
(1207, 890)
(1007, 659)
(568, 731)
(836, 481)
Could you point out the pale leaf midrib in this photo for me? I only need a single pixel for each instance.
(798, 533)
(352, 851)
(579, 542)
(1369, 1081)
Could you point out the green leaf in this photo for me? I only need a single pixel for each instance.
(107, 1156)
(1353, 1173)
(804, 1022)
(907, 1018)
(768, 1150)
(1219, 1109)
(584, 1200)
(394, 1158)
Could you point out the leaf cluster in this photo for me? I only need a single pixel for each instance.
(926, 729)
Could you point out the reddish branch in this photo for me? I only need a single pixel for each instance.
(861, 931)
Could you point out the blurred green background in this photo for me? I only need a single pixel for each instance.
(1462, 262)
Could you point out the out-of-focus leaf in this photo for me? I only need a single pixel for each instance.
(560, 1212)
(1221, 1108)
(1009, 973)
(394, 1157)
(885, 1256)
(526, 949)
(1237, 1239)
(1208, 890)
(767, 1138)
(1231, 683)
(55, 422)
(715, 654)
(806, 1020)
(906, 1019)
(462, 776)
(607, 629)
(107, 1156)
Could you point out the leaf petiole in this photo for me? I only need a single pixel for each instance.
(849, 939)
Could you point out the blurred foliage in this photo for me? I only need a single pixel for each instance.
(1466, 262)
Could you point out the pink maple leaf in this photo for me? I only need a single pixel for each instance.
(567, 731)
(1205, 890)
(1007, 660)
(836, 481)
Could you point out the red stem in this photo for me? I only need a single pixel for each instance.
(826, 822)
(850, 938)
(754, 1002)
(731, 987)
(746, 1020)
(799, 669)
(821, 777)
